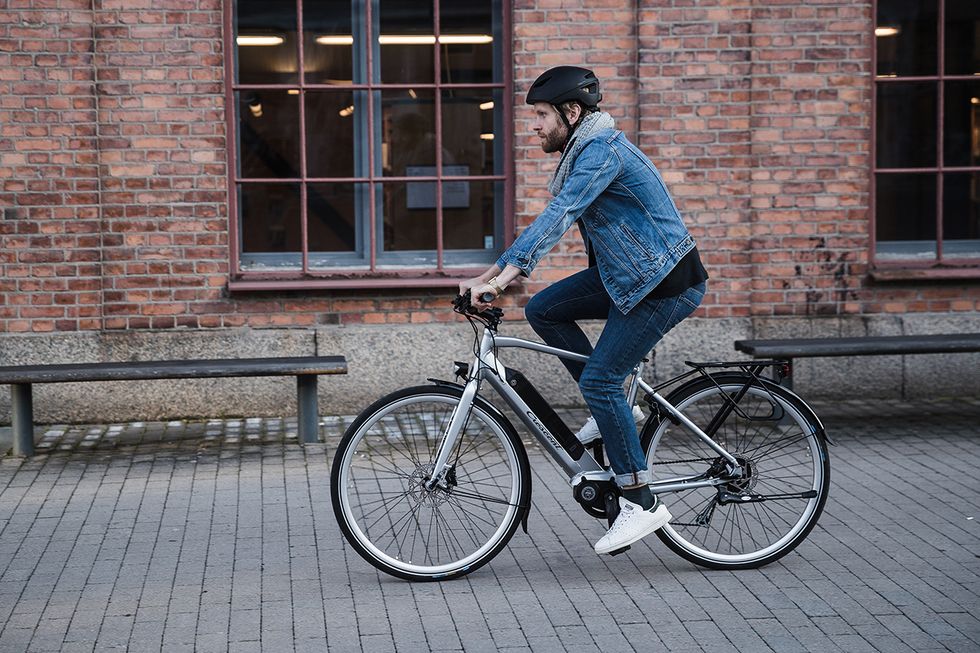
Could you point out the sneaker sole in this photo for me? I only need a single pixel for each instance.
(661, 517)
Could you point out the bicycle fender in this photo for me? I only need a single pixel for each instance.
(451, 384)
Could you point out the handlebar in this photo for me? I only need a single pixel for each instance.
(492, 315)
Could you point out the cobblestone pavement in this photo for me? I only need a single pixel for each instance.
(219, 536)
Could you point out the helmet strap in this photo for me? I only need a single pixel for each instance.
(568, 125)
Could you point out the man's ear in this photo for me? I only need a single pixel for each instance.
(573, 113)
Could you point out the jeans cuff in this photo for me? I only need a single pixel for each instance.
(633, 478)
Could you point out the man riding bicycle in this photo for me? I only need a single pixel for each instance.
(644, 275)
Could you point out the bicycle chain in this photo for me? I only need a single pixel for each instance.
(690, 460)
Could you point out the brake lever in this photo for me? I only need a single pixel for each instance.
(461, 304)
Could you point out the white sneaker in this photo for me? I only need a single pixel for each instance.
(590, 430)
(632, 524)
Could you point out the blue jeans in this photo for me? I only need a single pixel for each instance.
(624, 342)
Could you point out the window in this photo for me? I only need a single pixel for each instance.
(927, 132)
(369, 138)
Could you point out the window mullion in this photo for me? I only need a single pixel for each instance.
(231, 139)
(371, 126)
(438, 108)
(940, 125)
(301, 98)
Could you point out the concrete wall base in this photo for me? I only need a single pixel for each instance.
(384, 358)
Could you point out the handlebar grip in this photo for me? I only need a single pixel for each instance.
(487, 297)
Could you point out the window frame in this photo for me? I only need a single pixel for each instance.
(373, 274)
(896, 268)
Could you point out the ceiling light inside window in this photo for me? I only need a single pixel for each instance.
(259, 39)
(406, 39)
(486, 106)
(346, 111)
(486, 137)
(256, 109)
(335, 40)
(887, 31)
(465, 39)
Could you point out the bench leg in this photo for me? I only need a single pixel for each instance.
(22, 418)
(308, 419)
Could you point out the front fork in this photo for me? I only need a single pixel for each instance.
(457, 421)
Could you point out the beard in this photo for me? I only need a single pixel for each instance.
(554, 141)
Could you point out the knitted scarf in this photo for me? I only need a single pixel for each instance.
(591, 124)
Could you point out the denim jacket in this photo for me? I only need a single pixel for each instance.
(628, 216)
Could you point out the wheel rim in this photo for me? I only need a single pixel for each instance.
(782, 454)
(402, 524)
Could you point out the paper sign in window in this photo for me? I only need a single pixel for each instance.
(422, 194)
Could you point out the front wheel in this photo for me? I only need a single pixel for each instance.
(752, 520)
(384, 508)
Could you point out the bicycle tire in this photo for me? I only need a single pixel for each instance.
(783, 443)
(380, 467)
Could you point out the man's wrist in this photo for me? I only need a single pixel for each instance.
(493, 283)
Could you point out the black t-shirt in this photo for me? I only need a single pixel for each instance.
(687, 273)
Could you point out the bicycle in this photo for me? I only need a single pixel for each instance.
(432, 481)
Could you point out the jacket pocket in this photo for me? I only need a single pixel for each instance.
(634, 239)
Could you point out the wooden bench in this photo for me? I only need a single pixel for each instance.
(306, 369)
(790, 348)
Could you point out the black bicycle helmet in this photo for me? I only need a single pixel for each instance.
(565, 83)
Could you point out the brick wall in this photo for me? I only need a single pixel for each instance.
(161, 160)
(114, 187)
(810, 139)
(695, 65)
(49, 176)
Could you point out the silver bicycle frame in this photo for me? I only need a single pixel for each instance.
(487, 367)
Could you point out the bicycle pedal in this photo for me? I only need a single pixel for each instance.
(618, 551)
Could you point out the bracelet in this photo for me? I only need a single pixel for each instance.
(493, 284)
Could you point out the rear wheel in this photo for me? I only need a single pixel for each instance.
(384, 508)
(752, 520)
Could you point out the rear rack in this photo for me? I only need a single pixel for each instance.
(781, 369)
(751, 370)
(743, 364)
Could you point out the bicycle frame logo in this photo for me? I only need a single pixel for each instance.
(542, 428)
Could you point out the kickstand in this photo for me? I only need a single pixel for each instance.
(612, 511)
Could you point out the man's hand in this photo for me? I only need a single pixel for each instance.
(492, 281)
(477, 286)
(469, 284)
(477, 291)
